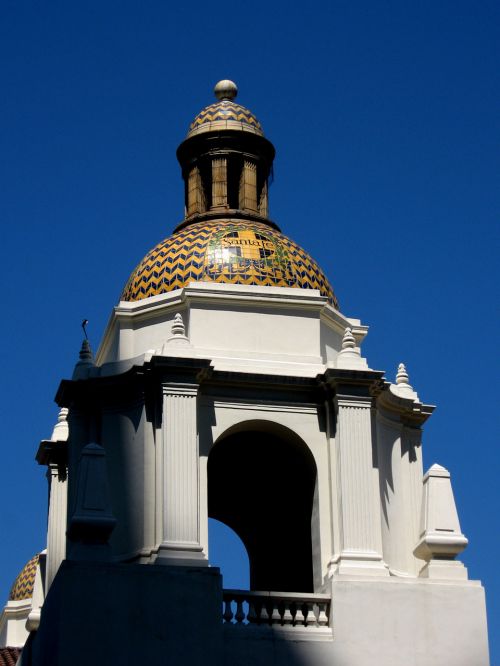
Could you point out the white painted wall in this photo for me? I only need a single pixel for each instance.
(267, 329)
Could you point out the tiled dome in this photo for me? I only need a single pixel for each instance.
(225, 114)
(24, 583)
(229, 251)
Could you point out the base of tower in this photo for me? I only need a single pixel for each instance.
(129, 614)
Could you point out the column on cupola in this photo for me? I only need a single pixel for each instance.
(356, 501)
(53, 454)
(219, 182)
(196, 202)
(248, 186)
(399, 418)
(263, 200)
(179, 477)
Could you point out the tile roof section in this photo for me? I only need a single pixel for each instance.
(9, 656)
(225, 114)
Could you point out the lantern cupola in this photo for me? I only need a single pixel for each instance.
(226, 162)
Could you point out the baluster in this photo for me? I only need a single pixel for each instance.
(287, 614)
(322, 617)
(228, 613)
(252, 615)
(277, 610)
(310, 617)
(240, 614)
(299, 615)
(275, 616)
(264, 615)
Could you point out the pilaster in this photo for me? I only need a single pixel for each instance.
(180, 474)
(53, 454)
(181, 519)
(357, 499)
(400, 416)
(361, 540)
(56, 529)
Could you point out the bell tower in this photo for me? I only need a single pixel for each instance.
(229, 384)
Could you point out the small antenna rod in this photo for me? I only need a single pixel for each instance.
(84, 326)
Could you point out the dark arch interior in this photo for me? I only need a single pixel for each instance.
(261, 485)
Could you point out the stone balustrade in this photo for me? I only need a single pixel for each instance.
(293, 609)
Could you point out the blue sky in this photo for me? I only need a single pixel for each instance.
(383, 117)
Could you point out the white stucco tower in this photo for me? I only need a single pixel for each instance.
(228, 384)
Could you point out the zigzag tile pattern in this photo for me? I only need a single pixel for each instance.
(224, 111)
(227, 251)
(24, 583)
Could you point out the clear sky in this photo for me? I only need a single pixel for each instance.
(383, 117)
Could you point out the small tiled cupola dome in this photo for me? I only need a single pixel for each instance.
(225, 113)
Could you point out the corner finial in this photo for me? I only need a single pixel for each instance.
(225, 89)
(402, 375)
(349, 356)
(178, 328)
(441, 538)
(92, 522)
(178, 337)
(86, 352)
(60, 431)
(86, 360)
(348, 341)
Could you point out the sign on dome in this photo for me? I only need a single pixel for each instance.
(239, 249)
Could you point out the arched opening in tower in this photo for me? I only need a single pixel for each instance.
(261, 484)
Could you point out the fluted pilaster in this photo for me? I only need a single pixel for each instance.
(357, 487)
(56, 528)
(181, 520)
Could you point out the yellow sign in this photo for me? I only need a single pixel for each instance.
(241, 246)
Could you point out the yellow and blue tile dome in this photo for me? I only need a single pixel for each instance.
(225, 114)
(25, 582)
(228, 251)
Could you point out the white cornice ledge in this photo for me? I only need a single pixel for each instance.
(401, 402)
(236, 293)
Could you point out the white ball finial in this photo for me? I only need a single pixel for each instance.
(402, 375)
(225, 89)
